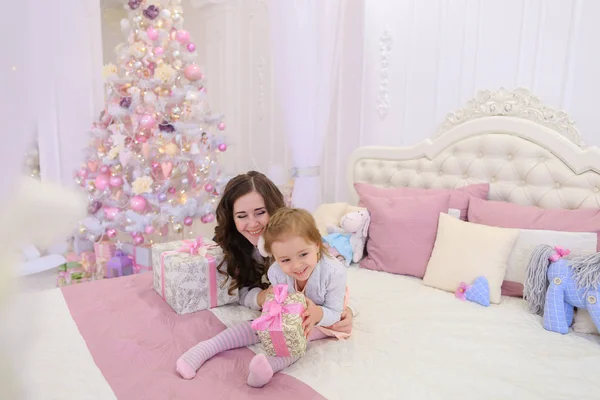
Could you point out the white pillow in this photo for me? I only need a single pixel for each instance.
(331, 213)
(580, 243)
(464, 250)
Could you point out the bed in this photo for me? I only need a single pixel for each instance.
(117, 338)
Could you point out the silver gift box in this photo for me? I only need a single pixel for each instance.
(186, 285)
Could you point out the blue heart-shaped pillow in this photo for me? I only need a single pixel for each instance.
(479, 292)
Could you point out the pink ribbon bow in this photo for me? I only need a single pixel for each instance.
(272, 318)
(559, 253)
(191, 247)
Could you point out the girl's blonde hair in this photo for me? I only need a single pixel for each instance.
(287, 222)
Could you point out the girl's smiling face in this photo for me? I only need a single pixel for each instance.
(296, 256)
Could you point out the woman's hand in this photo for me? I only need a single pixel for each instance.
(312, 316)
(345, 324)
(262, 296)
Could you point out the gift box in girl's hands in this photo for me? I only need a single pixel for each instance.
(280, 325)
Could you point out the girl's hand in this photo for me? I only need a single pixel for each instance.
(262, 296)
(345, 323)
(312, 316)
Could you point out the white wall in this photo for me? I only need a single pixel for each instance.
(443, 51)
(405, 65)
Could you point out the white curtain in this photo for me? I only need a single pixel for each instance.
(49, 52)
(305, 44)
(69, 92)
(16, 72)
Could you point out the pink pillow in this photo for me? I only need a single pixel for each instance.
(459, 197)
(510, 215)
(402, 231)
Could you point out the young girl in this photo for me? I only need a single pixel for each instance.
(292, 237)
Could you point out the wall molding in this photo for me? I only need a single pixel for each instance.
(386, 41)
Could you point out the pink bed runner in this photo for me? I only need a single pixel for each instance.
(135, 339)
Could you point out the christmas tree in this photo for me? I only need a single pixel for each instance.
(152, 164)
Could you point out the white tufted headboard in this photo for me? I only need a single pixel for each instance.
(530, 154)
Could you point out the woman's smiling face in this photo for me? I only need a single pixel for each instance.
(250, 216)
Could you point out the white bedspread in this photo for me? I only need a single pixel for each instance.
(58, 363)
(414, 342)
(409, 342)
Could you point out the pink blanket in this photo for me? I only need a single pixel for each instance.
(135, 339)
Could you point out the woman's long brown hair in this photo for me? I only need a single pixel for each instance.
(243, 269)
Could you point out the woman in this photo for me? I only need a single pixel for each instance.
(246, 204)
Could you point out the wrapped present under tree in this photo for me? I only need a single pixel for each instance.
(186, 276)
(104, 251)
(88, 262)
(141, 255)
(119, 265)
(70, 273)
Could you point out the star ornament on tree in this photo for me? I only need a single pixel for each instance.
(118, 140)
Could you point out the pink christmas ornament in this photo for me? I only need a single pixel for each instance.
(221, 126)
(208, 218)
(147, 121)
(110, 213)
(152, 33)
(101, 182)
(83, 173)
(149, 230)
(182, 36)
(155, 164)
(172, 190)
(116, 181)
(159, 51)
(104, 170)
(192, 72)
(138, 240)
(222, 147)
(191, 47)
(208, 187)
(188, 221)
(138, 203)
(111, 232)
